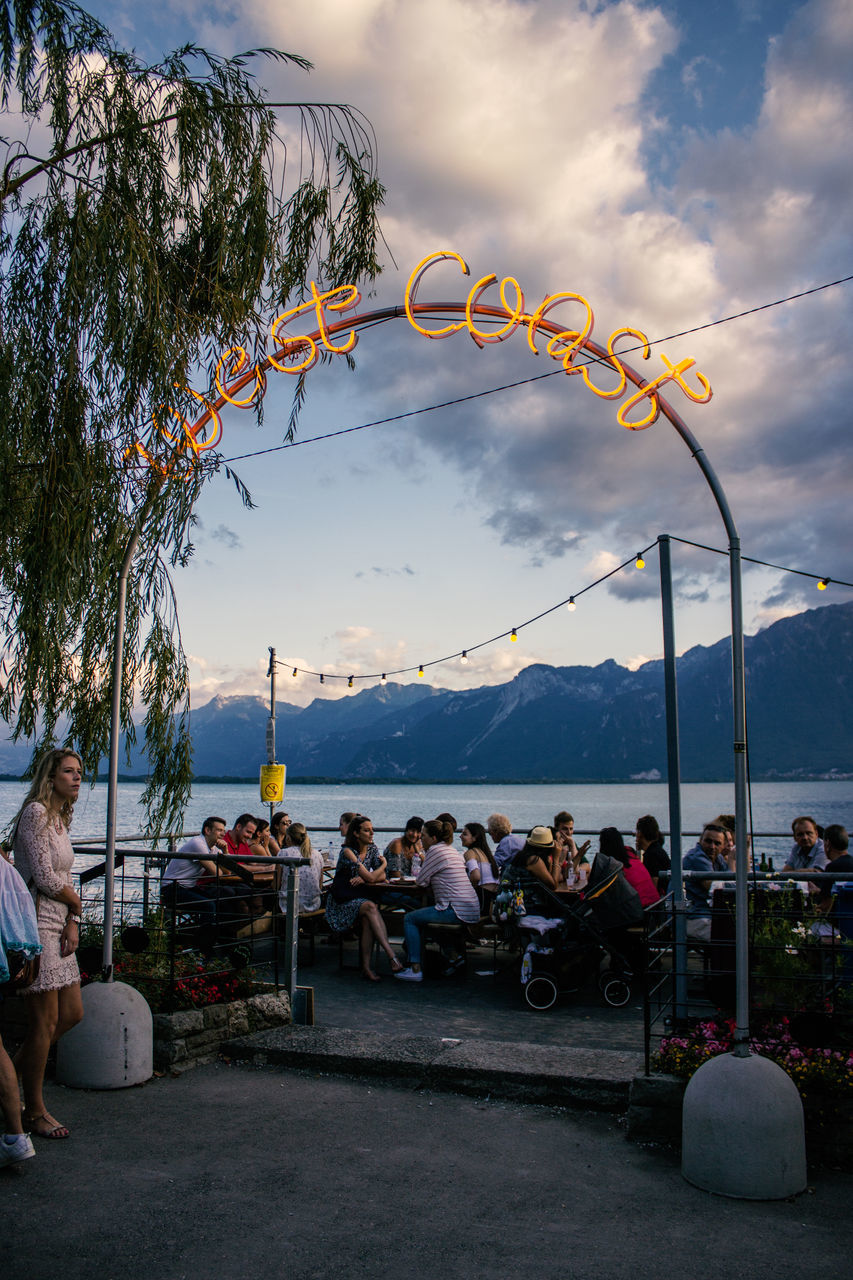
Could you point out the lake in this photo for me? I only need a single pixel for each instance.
(774, 805)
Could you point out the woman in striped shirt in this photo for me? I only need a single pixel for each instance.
(455, 897)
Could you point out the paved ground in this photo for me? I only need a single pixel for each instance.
(230, 1172)
(474, 1007)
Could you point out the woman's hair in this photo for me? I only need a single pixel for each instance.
(261, 825)
(347, 818)
(438, 829)
(447, 817)
(277, 820)
(350, 839)
(726, 820)
(41, 787)
(478, 831)
(648, 828)
(414, 824)
(611, 844)
(296, 836)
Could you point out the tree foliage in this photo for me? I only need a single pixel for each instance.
(150, 218)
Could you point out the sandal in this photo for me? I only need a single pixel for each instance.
(53, 1131)
(396, 967)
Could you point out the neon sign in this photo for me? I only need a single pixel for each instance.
(297, 353)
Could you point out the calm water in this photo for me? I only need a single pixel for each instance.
(774, 805)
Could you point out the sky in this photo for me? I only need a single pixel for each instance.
(675, 164)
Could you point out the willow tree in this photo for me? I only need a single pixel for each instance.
(148, 221)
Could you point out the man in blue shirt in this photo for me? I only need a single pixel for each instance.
(707, 856)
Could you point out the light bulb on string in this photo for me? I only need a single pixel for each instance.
(823, 584)
(639, 563)
(421, 670)
(571, 606)
(349, 683)
(384, 679)
(514, 635)
(322, 678)
(464, 658)
(295, 670)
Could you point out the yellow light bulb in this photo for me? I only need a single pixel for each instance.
(349, 683)
(823, 584)
(295, 670)
(571, 606)
(420, 670)
(639, 563)
(514, 635)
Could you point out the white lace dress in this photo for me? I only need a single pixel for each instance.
(44, 857)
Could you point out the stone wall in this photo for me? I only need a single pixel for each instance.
(191, 1036)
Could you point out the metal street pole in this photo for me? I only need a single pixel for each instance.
(673, 774)
(271, 725)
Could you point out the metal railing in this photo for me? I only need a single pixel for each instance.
(800, 965)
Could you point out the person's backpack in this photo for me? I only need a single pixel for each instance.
(509, 900)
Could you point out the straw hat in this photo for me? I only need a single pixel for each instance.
(541, 838)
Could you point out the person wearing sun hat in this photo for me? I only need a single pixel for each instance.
(538, 863)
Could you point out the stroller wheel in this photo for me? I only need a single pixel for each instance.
(617, 992)
(540, 992)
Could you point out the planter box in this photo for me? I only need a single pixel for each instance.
(654, 1115)
(191, 1036)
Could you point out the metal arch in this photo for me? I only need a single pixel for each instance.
(383, 314)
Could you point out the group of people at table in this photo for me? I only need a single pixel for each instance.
(421, 863)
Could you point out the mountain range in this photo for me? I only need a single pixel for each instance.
(603, 723)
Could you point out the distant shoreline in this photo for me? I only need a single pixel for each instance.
(231, 781)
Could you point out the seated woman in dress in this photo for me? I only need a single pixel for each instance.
(456, 900)
(403, 855)
(611, 844)
(297, 844)
(483, 872)
(360, 865)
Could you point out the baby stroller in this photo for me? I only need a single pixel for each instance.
(563, 949)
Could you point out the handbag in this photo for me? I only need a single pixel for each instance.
(23, 971)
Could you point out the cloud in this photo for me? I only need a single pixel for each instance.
(379, 571)
(692, 73)
(227, 537)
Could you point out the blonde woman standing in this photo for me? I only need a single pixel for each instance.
(44, 857)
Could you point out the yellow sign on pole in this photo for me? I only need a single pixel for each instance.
(272, 783)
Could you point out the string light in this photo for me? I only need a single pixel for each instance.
(638, 562)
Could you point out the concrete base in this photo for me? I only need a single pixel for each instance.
(742, 1130)
(113, 1047)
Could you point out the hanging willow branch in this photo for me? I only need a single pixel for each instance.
(153, 226)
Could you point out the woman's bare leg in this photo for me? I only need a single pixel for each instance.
(49, 1015)
(10, 1099)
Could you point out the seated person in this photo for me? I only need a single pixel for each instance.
(456, 900)
(574, 860)
(707, 856)
(194, 880)
(535, 868)
(297, 843)
(835, 845)
(483, 872)
(348, 905)
(238, 843)
(403, 854)
(263, 846)
(507, 844)
(808, 850)
(611, 844)
(278, 826)
(650, 847)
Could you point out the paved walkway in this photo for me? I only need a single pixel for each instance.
(229, 1172)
